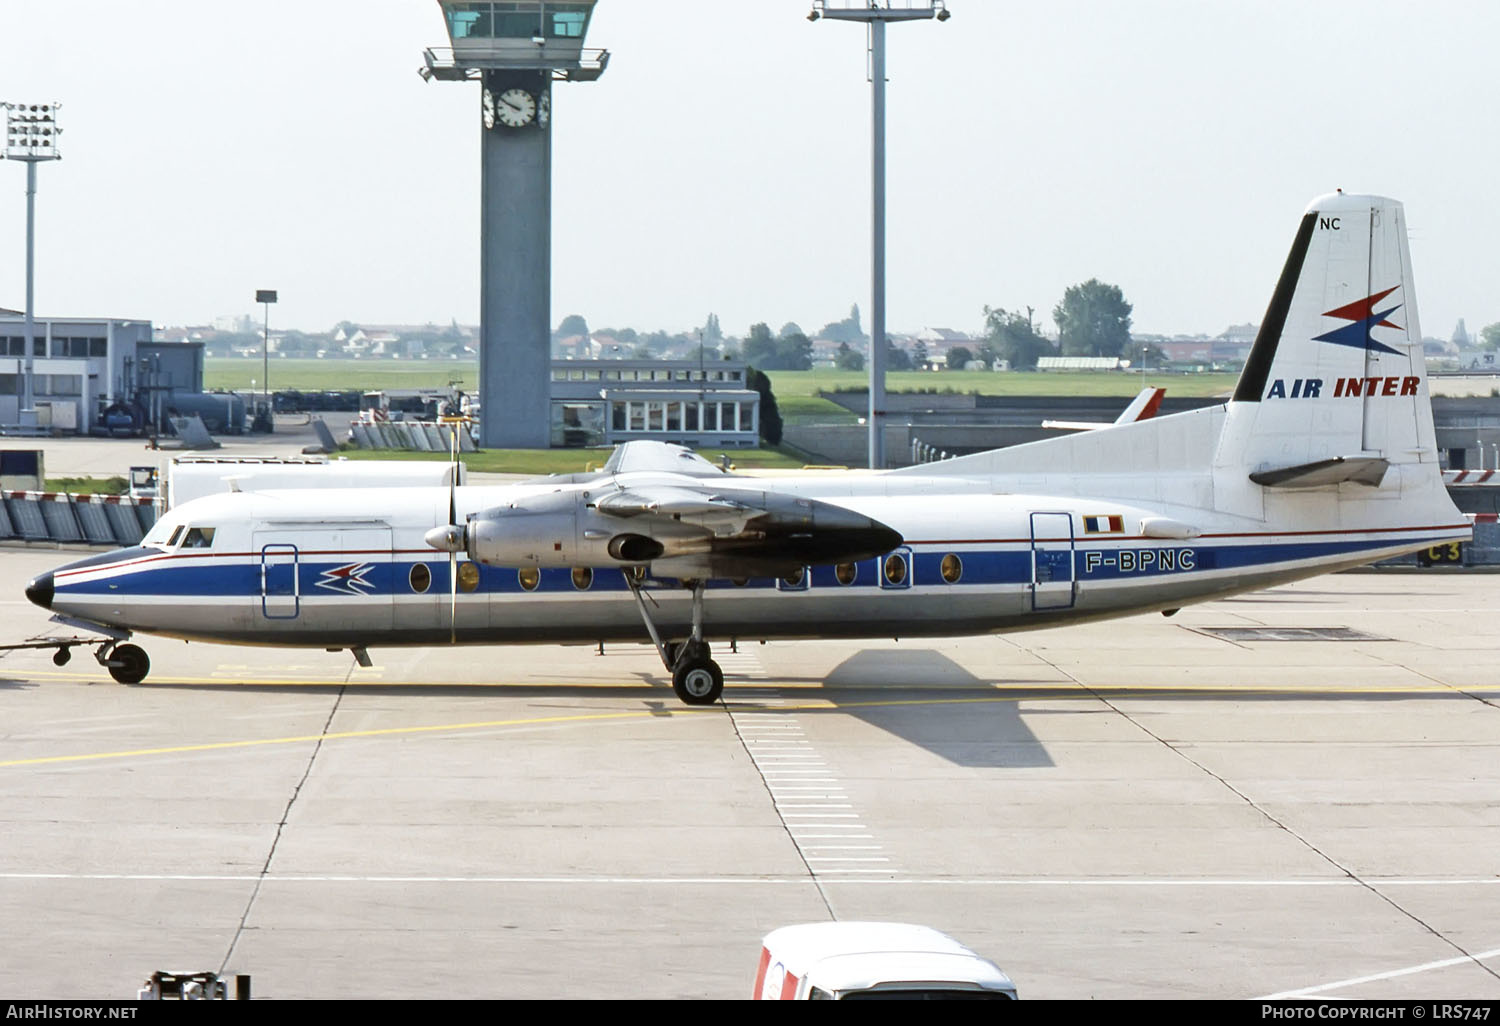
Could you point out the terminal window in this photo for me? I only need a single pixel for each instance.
(59, 384)
(15, 345)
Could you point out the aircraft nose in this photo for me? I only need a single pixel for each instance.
(40, 591)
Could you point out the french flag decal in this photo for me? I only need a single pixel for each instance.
(1104, 525)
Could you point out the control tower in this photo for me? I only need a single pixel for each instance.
(515, 49)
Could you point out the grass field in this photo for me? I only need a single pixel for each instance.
(792, 384)
(235, 374)
(796, 391)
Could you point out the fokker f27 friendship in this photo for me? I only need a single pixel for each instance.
(1323, 459)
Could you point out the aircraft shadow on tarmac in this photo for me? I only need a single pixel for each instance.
(928, 700)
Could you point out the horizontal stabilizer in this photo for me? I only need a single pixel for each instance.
(1365, 470)
(1142, 407)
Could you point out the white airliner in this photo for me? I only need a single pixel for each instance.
(1324, 459)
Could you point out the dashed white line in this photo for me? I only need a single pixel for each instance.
(802, 787)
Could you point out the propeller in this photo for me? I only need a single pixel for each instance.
(452, 524)
(451, 538)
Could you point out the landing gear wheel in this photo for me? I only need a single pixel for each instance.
(133, 664)
(698, 682)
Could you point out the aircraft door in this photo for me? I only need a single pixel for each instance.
(280, 578)
(327, 576)
(1052, 580)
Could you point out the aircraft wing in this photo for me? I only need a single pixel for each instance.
(681, 527)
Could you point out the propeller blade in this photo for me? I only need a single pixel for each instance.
(454, 537)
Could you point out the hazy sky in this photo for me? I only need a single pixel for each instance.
(722, 163)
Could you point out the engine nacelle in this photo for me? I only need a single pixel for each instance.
(560, 530)
(539, 531)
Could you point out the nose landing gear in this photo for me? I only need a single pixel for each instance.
(127, 664)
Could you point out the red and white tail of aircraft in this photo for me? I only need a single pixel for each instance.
(1142, 407)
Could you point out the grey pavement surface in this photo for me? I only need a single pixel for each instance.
(107, 457)
(1135, 809)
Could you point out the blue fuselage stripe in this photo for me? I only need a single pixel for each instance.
(1091, 561)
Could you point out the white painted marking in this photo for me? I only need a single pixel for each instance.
(1376, 977)
(1020, 882)
(815, 796)
(847, 858)
(840, 837)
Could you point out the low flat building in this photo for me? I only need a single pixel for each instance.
(605, 402)
(78, 365)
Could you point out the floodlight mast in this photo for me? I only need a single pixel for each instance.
(876, 14)
(30, 136)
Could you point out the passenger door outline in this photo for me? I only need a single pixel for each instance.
(1053, 580)
(280, 581)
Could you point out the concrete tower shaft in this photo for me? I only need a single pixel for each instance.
(515, 50)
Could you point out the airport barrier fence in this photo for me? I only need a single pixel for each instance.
(411, 435)
(106, 520)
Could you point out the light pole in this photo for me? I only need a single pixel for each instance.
(31, 136)
(266, 297)
(876, 14)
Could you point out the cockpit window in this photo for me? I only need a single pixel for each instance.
(175, 535)
(199, 538)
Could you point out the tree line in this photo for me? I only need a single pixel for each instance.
(1093, 318)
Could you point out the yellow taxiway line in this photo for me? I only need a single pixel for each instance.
(1023, 693)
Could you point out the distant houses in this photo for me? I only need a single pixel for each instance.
(927, 349)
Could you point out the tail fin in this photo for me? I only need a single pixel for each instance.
(1336, 378)
(1142, 407)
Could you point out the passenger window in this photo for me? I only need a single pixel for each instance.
(952, 568)
(896, 570)
(468, 577)
(420, 578)
(199, 538)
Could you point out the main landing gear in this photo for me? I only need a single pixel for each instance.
(696, 678)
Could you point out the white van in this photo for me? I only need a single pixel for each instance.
(847, 961)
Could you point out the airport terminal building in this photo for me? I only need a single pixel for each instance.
(75, 363)
(605, 402)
